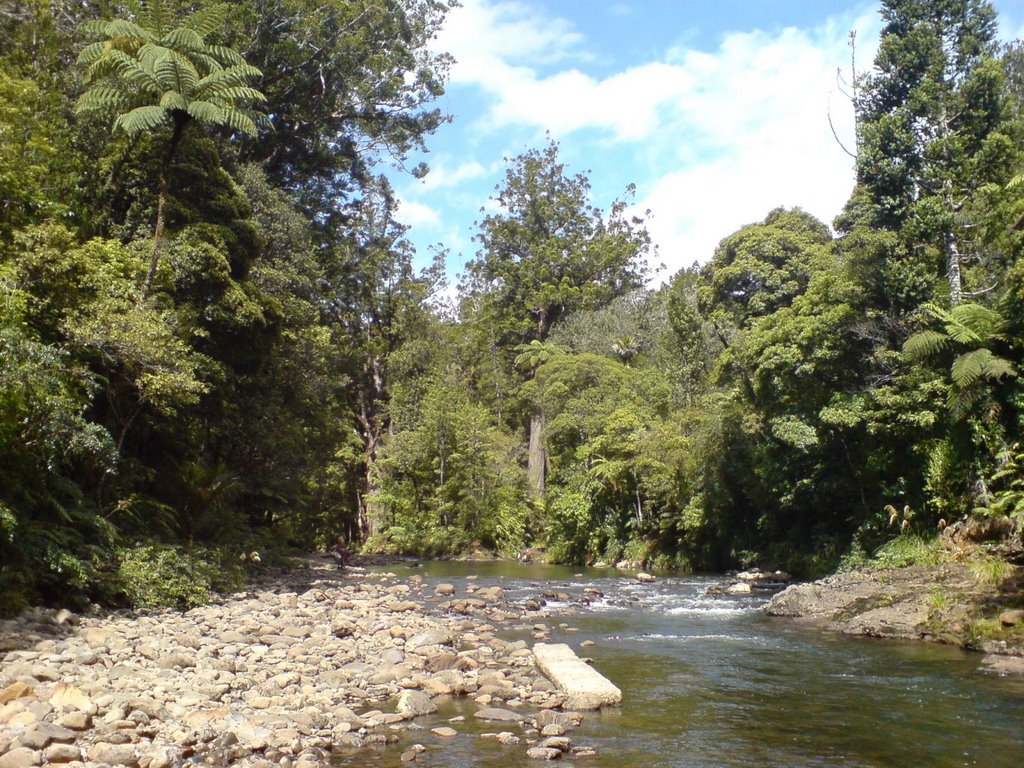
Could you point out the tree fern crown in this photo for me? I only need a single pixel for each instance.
(152, 69)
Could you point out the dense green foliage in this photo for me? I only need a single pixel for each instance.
(213, 341)
(199, 302)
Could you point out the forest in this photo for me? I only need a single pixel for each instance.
(215, 347)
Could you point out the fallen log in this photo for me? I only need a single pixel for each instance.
(584, 686)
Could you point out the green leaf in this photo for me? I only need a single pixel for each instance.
(173, 100)
(92, 52)
(224, 55)
(208, 20)
(225, 80)
(124, 28)
(141, 119)
(968, 368)
(102, 98)
(924, 344)
(183, 38)
(176, 72)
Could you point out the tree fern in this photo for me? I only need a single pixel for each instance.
(150, 71)
(966, 325)
(925, 344)
(141, 119)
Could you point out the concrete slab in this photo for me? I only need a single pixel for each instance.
(584, 686)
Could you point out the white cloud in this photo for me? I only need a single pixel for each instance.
(760, 122)
(441, 177)
(417, 214)
(490, 39)
(715, 138)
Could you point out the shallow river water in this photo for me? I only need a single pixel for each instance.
(711, 682)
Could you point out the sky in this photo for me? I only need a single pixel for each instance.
(717, 112)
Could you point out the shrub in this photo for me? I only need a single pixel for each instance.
(906, 550)
(161, 576)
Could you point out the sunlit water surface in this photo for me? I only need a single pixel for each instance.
(712, 682)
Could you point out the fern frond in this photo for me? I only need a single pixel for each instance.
(183, 38)
(176, 72)
(243, 95)
(983, 321)
(156, 15)
(122, 28)
(150, 55)
(968, 369)
(937, 312)
(134, 72)
(94, 27)
(92, 53)
(233, 77)
(239, 121)
(173, 100)
(141, 119)
(997, 368)
(102, 98)
(960, 402)
(208, 20)
(224, 54)
(924, 344)
(963, 334)
(207, 63)
(207, 112)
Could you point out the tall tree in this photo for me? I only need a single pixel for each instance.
(347, 83)
(546, 253)
(153, 70)
(931, 116)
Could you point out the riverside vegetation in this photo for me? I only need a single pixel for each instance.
(213, 342)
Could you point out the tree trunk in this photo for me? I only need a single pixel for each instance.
(372, 432)
(369, 518)
(180, 123)
(536, 458)
(956, 290)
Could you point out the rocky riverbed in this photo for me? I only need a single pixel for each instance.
(943, 603)
(297, 669)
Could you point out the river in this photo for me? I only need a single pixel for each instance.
(711, 682)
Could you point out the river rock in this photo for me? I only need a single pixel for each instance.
(68, 696)
(444, 731)
(506, 738)
(62, 753)
(1011, 617)
(415, 704)
(901, 620)
(22, 757)
(16, 690)
(739, 588)
(491, 594)
(444, 589)
(561, 743)
(77, 720)
(566, 720)
(497, 714)
(43, 734)
(543, 753)
(114, 754)
(644, 577)
(998, 664)
(431, 637)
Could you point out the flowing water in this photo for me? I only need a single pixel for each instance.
(710, 682)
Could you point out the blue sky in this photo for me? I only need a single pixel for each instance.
(716, 111)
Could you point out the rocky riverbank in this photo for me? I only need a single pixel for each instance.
(297, 669)
(943, 603)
